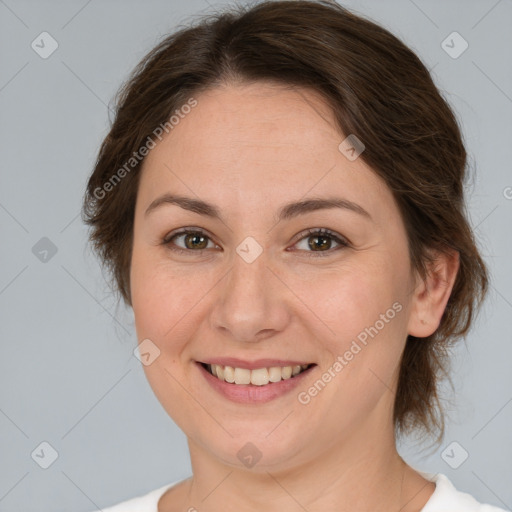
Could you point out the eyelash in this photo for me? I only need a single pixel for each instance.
(343, 243)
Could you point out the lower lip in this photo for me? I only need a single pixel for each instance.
(249, 393)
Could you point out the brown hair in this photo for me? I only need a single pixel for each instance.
(378, 89)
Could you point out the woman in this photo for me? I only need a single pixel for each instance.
(280, 201)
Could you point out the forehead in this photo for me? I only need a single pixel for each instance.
(258, 144)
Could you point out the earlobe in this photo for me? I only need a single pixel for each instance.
(432, 293)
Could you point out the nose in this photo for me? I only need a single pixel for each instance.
(250, 302)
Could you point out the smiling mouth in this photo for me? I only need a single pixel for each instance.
(256, 377)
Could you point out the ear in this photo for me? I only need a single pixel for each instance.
(431, 295)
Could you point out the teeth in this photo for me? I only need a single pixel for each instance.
(257, 377)
(229, 373)
(274, 374)
(286, 372)
(242, 376)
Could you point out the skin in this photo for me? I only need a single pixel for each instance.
(248, 149)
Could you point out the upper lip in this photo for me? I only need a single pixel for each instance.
(252, 365)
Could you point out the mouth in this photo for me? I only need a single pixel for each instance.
(257, 376)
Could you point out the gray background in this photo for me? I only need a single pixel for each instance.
(68, 374)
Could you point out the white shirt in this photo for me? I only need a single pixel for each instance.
(444, 499)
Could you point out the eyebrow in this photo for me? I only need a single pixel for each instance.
(288, 211)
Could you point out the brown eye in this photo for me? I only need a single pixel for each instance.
(320, 241)
(193, 240)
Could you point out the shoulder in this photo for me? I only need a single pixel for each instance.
(144, 503)
(447, 498)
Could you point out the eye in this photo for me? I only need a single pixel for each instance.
(194, 239)
(319, 240)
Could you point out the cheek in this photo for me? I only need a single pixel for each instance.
(154, 284)
(165, 298)
(153, 296)
(364, 310)
(160, 301)
(353, 297)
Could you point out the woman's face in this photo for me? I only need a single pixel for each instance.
(252, 288)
